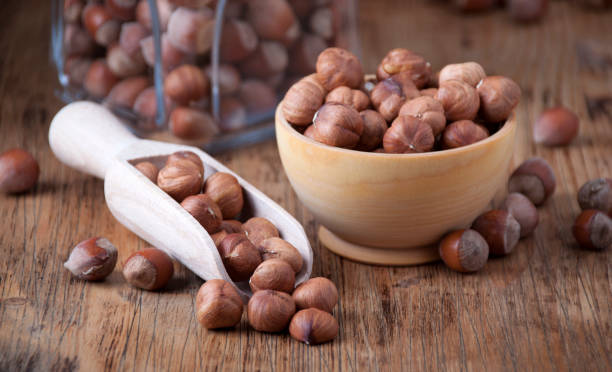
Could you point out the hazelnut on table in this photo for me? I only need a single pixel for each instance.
(596, 194)
(218, 305)
(535, 179)
(270, 311)
(274, 274)
(239, 256)
(464, 251)
(521, 208)
(92, 259)
(320, 293)
(225, 190)
(593, 230)
(277, 248)
(149, 269)
(19, 171)
(258, 229)
(557, 126)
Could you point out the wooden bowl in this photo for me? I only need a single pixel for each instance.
(392, 209)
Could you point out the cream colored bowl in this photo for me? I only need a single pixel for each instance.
(392, 209)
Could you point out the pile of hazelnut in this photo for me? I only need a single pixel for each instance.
(251, 251)
(498, 231)
(109, 51)
(406, 108)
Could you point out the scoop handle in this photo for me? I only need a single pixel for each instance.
(87, 136)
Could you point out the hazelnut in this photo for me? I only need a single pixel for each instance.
(191, 30)
(18, 171)
(311, 133)
(429, 92)
(322, 22)
(186, 83)
(72, 10)
(320, 293)
(303, 54)
(389, 95)
(374, 128)
(313, 326)
(500, 229)
(351, 97)
(258, 229)
(238, 40)
(369, 82)
(470, 73)
(535, 179)
(229, 78)
(231, 227)
(100, 24)
(474, 5)
(498, 97)
(462, 133)
(460, 100)
(99, 79)
(523, 210)
(232, 114)
(274, 274)
(593, 230)
(149, 269)
(171, 56)
(399, 60)
(218, 237)
(273, 19)
(225, 190)
(239, 255)
(76, 69)
(204, 209)
(131, 35)
(164, 11)
(555, 127)
(121, 9)
(191, 124)
(465, 251)
(218, 305)
(180, 179)
(595, 194)
(179, 156)
(258, 96)
(148, 169)
(408, 134)
(92, 259)
(269, 58)
(337, 67)
(338, 125)
(270, 311)
(277, 248)
(145, 106)
(77, 41)
(303, 100)
(527, 10)
(122, 64)
(125, 92)
(429, 110)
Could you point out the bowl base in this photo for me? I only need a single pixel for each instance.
(377, 256)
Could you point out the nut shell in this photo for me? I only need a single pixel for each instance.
(462, 133)
(338, 125)
(313, 326)
(460, 100)
(180, 179)
(225, 190)
(400, 60)
(148, 169)
(535, 179)
(270, 311)
(125, 92)
(464, 251)
(99, 79)
(204, 209)
(149, 269)
(92, 259)
(374, 128)
(258, 229)
(238, 40)
(523, 210)
(274, 274)
(389, 95)
(19, 171)
(303, 100)
(468, 72)
(498, 97)
(192, 157)
(320, 293)
(218, 305)
(191, 124)
(273, 19)
(556, 127)
(277, 248)
(500, 229)
(239, 255)
(408, 134)
(351, 97)
(596, 194)
(593, 230)
(337, 67)
(429, 110)
(186, 83)
(191, 30)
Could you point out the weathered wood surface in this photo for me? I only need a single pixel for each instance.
(547, 306)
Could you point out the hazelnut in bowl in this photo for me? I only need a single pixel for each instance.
(391, 208)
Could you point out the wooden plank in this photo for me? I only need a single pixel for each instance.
(547, 306)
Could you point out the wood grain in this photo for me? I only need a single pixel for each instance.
(548, 306)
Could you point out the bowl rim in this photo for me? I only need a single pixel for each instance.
(504, 131)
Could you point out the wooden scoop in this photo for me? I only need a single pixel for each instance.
(88, 137)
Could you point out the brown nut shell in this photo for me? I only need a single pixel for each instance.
(403, 60)
(92, 259)
(239, 256)
(593, 230)
(499, 96)
(258, 229)
(204, 209)
(500, 229)
(191, 124)
(19, 171)
(338, 125)
(462, 133)
(99, 79)
(408, 134)
(149, 269)
(460, 100)
(596, 194)
(320, 293)
(429, 110)
(468, 72)
(218, 305)
(535, 179)
(523, 210)
(191, 30)
(337, 67)
(186, 83)
(351, 97)
(389, 95)
(464, 251)
(277, 248)
(303, 100)
(125, 92)
(270, 311)
(238, 40)
(374, 128)
(192, 157)
(556, 127)
(148, 169)
(313, 326)
(231, 227)
(273, 19)
(225, 190)
(274, 274)
(180, 179)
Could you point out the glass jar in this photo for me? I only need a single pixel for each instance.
(137, 57)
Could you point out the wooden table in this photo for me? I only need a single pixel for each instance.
(547, 306)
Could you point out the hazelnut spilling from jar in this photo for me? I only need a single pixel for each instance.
(404, 109)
